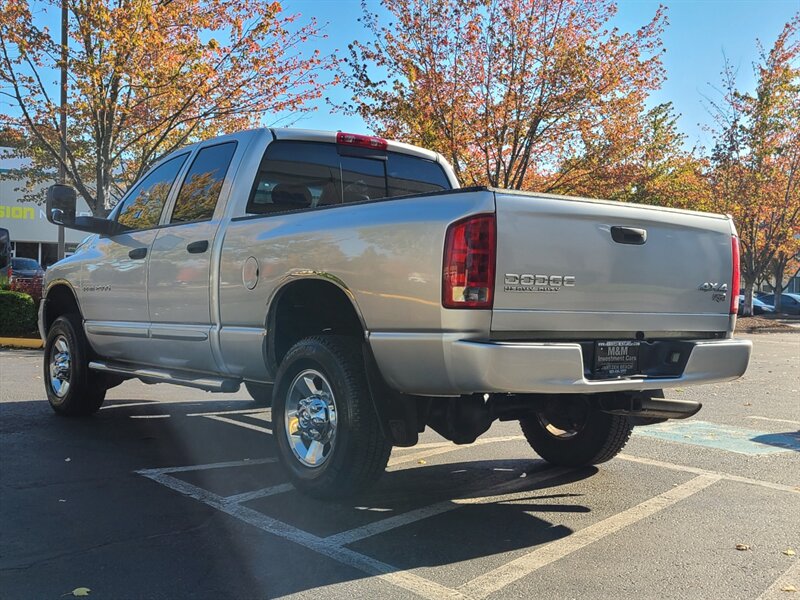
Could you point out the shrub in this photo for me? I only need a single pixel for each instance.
(32, 287)
(17, 314)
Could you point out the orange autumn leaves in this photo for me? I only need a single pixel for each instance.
(547, 95)
(148, 77)
(510, 91)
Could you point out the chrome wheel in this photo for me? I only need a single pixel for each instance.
(60, 367)
(310, 418)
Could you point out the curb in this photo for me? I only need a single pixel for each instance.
(29, 343)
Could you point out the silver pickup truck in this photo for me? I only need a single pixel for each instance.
(348, 280)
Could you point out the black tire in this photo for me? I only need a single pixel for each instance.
(260, 392)
(86, 390)
(359, 453)
(591, 436)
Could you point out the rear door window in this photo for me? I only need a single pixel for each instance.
(200, 190)
(142, 208)
(298, 175)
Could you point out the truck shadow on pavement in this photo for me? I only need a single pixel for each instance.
(417, 516)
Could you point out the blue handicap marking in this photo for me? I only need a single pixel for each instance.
(723, 437)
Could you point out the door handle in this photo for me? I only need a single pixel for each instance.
(197, 247)
(629, 235)
(138, 253)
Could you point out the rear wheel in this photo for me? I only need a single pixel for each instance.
(572, 432)
(327, 433)
(71, 389)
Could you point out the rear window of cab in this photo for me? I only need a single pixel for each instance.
(296, 175)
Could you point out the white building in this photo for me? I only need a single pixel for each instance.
(32, 235)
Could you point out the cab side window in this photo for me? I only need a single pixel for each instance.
(296, 175)
(203, 183)
(142, 207)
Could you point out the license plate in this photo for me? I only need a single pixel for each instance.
(616, 359)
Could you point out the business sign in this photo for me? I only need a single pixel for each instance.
(27, 221)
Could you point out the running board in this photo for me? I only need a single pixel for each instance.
(210, 384)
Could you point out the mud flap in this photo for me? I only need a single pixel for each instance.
(397, 413)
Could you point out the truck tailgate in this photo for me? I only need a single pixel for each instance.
(578, 268)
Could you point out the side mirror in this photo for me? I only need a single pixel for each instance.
(61, 202)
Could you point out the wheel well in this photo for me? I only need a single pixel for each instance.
(60, 301)
(305, 308)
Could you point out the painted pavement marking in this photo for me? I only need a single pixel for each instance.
(504, 492)
(281, 488)
(240, 423)
(727, 476)
(149, 416)
(790, 578)
(413, 583)
(449, 447)
(776, 420)
(722, 437)
(220, 465)
(499, 578)
(243, 411)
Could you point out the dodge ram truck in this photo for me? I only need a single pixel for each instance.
(349, 281)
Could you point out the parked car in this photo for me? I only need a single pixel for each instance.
(759, 307)
(24, 268)
(26, 275)
(379, 299)
(790, 303)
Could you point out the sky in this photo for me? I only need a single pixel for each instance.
(699, 35)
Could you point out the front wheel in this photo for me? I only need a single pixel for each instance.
(72, 390)
(572, 432)
(327, 433)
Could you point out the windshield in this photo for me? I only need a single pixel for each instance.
(27, 264)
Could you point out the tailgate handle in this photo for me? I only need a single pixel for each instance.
(629, 235)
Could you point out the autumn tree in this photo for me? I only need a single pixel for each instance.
(655, 167)
(755, 172)
(146, 78)
(506, 90)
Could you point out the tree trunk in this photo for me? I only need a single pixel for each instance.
(780, 265)
(747, 309)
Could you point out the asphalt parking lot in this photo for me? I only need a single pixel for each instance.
(169, 492)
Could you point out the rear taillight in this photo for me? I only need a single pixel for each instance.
(736, 275)
(469, 259)
(361, 141)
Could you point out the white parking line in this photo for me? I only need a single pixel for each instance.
(370, 529)
(449, 447)
(775, 420)
(239, 423)
(790, 579)
(413, 583)
(499, 578)
(156, 403)
(696, 471)
(220, 465)
(243, 411)
(149, 416)
(281, 488)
